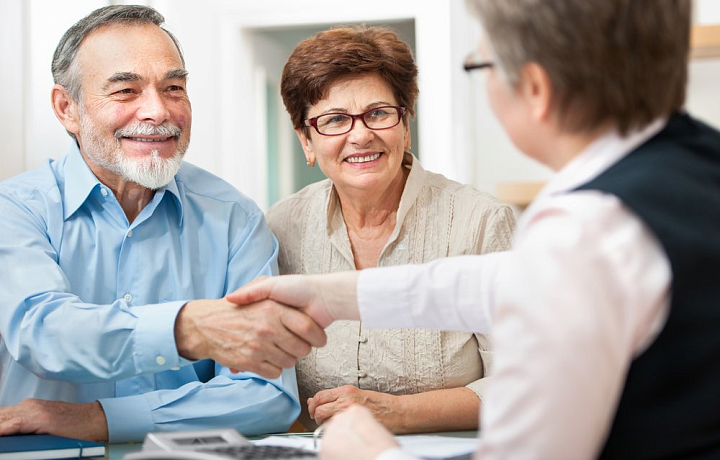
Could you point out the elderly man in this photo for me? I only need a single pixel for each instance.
(605, 314)
(106, 251)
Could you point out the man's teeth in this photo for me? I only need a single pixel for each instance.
(372, 157)
(144, 139)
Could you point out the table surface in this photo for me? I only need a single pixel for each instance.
(118, 451)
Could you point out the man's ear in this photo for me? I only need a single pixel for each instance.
(537, 91)
(306, 146)
(66, 109)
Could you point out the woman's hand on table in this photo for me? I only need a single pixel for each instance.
(328, 403)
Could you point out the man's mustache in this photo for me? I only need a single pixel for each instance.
(146, 129)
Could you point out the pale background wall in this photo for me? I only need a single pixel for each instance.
(234, 51)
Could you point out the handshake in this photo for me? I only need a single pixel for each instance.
(266, 325)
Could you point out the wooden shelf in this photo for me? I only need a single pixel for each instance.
(518, 194)
(705, 42)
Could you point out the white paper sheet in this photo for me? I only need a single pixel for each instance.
(425, 446)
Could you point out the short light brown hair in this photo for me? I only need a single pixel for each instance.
(332, 55)
(623, 61)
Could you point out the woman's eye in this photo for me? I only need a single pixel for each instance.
(378, 113)
(333, 120)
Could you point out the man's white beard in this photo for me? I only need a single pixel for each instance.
(152, 172)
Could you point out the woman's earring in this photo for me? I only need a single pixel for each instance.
(311, 164)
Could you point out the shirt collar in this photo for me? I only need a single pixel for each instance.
(597, 157)
(80, 182)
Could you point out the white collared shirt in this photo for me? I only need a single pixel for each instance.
(585, 289)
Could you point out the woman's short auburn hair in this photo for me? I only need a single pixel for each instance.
(335, 54)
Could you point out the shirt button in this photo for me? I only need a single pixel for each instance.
(362, 374)
(103, 191)
(127, 297)
(130, 233)
(160, 360)
(363, 339)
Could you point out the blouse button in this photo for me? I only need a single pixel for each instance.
(362, 374)
(363, 339)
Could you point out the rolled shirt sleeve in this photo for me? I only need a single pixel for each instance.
(244, 401)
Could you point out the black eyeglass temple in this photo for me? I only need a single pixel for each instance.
(477, 65)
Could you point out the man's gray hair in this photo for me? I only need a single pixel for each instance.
(623, 61)
(64, 70)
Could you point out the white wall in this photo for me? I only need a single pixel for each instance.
(218, 39)
(707, 11)
(12, 109)
(703, 98)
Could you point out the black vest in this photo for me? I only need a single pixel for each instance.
(670, 406)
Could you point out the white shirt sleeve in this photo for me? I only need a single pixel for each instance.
(408, 295)
(586, 292)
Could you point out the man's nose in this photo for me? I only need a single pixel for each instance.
(153, 108)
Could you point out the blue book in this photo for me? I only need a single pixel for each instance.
(47, 446)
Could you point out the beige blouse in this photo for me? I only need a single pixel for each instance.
(436, 218)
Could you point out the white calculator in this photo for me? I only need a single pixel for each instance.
(220, 444)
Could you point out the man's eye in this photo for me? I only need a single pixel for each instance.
(175, 88)
(124, 91)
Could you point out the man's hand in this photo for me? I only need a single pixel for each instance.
(327, 403)
(263, 337)
(73, 420)
(355, 435)
(325, 298)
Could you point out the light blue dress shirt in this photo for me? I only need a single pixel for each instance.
(88, 301)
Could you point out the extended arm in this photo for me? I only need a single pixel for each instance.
(40, 317)
(121, 339)
(399, 296)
